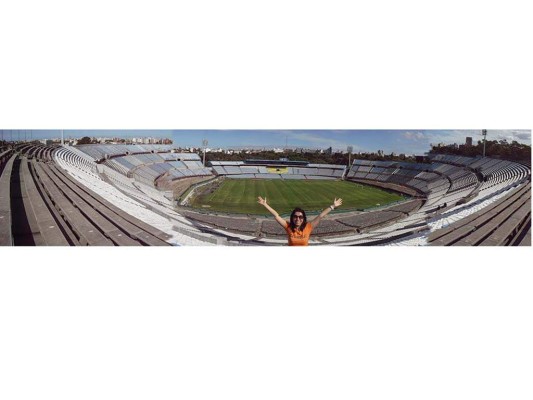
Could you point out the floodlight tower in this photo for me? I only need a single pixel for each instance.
(204, 143)
(350, 151)
(62, 138)
(484, 134)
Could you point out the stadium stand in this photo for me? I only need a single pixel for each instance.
(42, 205)
(504, 222)
(154, 170)
(441, 185)
(268, 169)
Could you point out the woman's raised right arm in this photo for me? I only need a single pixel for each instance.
(280, 220)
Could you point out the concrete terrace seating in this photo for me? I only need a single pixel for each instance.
(506, 221)
(5, 155)
(39, 151)
(365, 221)
(505, 171)
(407, 207)
(491, 171)
(328, 227)
(388, 185)
(149, 173)
(90, 219)
(33, 222)
(253, 227)
(6, 238)
(48, 207)
(219, 170)
(119, 166)
(244, 225)
(232, 170)
(461, 161)
(69, 155)
(460, 177)
(100, 152)
(183, 166)
(187, 173)
(147, 164)
(127, 164)
(127, 186)
(414, 176)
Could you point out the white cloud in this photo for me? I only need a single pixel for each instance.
(414, 136)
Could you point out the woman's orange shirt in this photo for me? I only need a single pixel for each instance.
(298, 237)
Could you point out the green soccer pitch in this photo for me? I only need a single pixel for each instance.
(240, 195)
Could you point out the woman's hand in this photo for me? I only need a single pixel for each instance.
(280, 220)
(337, 203)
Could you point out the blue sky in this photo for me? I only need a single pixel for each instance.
(400, 141)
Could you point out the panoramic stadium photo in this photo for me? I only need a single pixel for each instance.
(265, 187)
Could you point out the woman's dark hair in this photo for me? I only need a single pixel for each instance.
(291, 223)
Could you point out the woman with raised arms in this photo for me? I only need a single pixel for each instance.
(298, 229)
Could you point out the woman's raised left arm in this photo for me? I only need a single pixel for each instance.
(317, 219)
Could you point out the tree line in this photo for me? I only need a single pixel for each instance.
(513, 151)
(313, 157)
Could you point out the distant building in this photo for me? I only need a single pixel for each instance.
(468, 141)
(329, 150)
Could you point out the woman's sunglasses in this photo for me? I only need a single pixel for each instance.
(298, 217)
